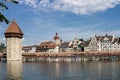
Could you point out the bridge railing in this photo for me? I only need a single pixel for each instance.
(68, 53)
(54, 53)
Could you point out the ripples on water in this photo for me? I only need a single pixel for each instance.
(60, 71)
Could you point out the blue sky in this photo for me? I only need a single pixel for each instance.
(41, 19)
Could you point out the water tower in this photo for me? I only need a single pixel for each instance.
(13, 37)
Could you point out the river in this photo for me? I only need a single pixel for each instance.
(92, 70)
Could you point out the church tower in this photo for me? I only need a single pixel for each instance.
(13, 37)
(57, 40)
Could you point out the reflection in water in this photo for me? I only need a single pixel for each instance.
(57, 70)
(113, 73)
(14, 70)
(99, 69)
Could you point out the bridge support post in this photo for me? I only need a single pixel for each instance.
(82, 58)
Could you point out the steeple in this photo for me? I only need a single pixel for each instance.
(57, 40)
(13, 30)
(56, 36)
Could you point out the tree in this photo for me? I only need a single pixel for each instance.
(3, 7)
(81, 47)
(2, 47)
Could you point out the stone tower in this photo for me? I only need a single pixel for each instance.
(13, 37)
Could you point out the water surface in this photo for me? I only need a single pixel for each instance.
(60, 71)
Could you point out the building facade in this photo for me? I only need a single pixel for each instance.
(104, 43)
(50, 46)
(47, 46)
(76, 45)
(64, 47)
(29, 49)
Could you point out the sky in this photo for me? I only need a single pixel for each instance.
(39, 20)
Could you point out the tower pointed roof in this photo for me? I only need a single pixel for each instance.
(13, 30)
(56, 36)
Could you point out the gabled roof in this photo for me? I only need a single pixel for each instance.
(13, 28)
(116, 40)
(48, 44)
(101, 38)
(28, 47)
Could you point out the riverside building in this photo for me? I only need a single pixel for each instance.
(50, 46)
(106, 43)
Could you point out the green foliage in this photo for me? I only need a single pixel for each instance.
(2, 47)
(81, 47)
(3, 18)
(3, 7)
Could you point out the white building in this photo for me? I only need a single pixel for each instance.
(76, 45)
(29, 49)
(104, 43)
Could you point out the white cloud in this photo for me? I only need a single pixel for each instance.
(68, 36)
(75, 6)
(23, 39)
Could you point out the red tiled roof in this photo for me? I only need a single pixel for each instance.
(14, 28)
(48, 44)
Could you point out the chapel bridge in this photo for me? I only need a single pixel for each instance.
(72, 56)
(69, 55)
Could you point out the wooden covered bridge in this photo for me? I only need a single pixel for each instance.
(68, 55)
(76, 56)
